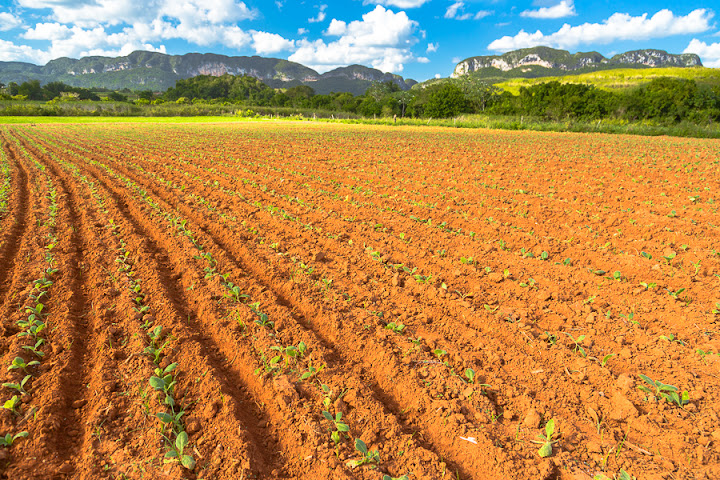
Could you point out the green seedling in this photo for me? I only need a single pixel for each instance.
(662, 390)
(262, 319)
(33, 328)
(173, 421)
(605, 359)
(311, 371)
(470, 374)
(567, 261)
(367, 456)
(671, 338)
(439, 353)
(164, 381)
(35, 348)
(669, 258)
(9, 439)
(578, 347)
(551, 338)
(716, 310)
(547, 441)
(12, 404)
(20, 387)
(696, 265)
(19, 363)
(646, 255)
(544, 256)
(467, 260)
(338, 424)
(395, 327)
(617, 276)
(648, 286)
(176, 452)
(388, 477)
(676, 294)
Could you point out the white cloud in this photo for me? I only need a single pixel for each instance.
(457, 11)
(397, 3)
(382, 39)
(432, 47)
(265, 43)
(620, 26)
(320, 16)
(453, 9)
(437, 75)
(423, 60)
(566, 8)
(117, 27)
(8, 21)
(710, 54)
(302, 31)
(90, 13)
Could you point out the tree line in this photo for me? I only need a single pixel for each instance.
(665, 99)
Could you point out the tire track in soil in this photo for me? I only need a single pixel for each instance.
(309, 318)
(260, 460)
(14, 239)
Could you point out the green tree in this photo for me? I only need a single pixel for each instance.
(446, 101)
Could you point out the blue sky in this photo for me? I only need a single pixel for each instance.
(418, 39)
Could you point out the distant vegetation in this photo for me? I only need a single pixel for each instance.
(661, 100)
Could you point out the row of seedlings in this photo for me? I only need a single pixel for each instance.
(34, 324)
(164, 379)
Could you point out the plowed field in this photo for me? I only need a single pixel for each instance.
(329, 301)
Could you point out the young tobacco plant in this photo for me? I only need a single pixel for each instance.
(177, 452)
(20, 387)
(19, 363)
(662, 390)
(337, 423)
(9, 439)
(578, 347)
(367, 456)
(13, 405)
(547, 441)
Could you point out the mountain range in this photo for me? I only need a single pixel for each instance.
(544, 61)
(158, 71)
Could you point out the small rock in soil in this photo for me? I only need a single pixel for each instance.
(532, 419)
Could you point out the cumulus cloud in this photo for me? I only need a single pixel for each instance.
(397, 3)
(320, 16)
(620, 26)
(265, 43)
(302, 31)
(710, 54)
(566, 8)
(8, 21)
(457, 11)
(432, 47)
(77, 28)
(382, 39)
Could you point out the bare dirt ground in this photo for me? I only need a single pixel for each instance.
(330, 301)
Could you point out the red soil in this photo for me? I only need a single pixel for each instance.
(496, 251)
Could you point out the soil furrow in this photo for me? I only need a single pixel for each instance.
(11, 242)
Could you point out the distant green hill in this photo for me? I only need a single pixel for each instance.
(158, 72)
(620, 78)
